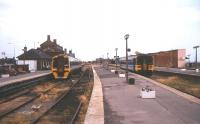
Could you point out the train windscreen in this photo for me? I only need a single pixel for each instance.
(61, 63)
(144, 60)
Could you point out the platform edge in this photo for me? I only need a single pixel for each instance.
(95, 112)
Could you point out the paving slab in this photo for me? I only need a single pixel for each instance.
(123, 104)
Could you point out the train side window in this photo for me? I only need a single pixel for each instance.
(130, 62)
(134, 61)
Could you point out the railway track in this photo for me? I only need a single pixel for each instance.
(10, 105)
(37, 106)
(11, 91)
(25, 105)
(66, 110)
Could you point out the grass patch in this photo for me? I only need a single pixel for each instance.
(187, 84)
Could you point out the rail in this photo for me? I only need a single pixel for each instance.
(5, 113)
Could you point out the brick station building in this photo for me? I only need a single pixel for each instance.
(36, 59)
(40, 58)
(171, 59)
(51, 47)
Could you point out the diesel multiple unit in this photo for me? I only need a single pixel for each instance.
(63, 64)
(141, 64)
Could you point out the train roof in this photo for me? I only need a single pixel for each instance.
(129, 57)
(73, 59)
(60, 55)
(133, 56)
(67, 56)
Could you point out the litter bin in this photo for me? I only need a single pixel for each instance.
(131, 80)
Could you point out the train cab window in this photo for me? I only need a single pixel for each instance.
(149, 60)
(55, 63)
(144, 61)
(66, 64)
(139, 60)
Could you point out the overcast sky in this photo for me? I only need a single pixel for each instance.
(93, 28)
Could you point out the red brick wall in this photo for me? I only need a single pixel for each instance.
(172, 59)
(181, 58)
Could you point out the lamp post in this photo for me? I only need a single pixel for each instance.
(116, 58)
(107, 60)
(126, 38)
(196, 47)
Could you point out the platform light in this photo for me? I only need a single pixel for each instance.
(126, 38)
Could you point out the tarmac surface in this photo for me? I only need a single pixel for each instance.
(123, 105)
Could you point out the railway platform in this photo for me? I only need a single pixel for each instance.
(23, 77)
(122, 103)
(178, 71)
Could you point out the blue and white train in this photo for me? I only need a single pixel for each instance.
(141, 64)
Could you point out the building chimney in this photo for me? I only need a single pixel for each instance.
(25, 49)
(65, 51)
(70, 51)
(54, 40)
(48, 38)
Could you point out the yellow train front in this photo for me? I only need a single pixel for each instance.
(62, 65)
